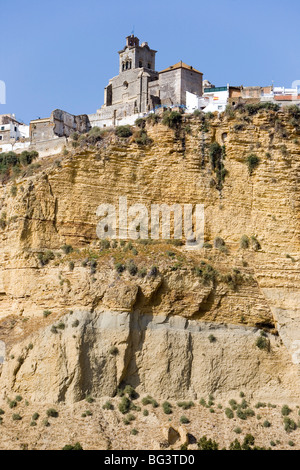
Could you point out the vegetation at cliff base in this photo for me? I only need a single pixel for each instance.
(11, 163)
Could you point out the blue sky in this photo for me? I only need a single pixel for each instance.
(61, 53)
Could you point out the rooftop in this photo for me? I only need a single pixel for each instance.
(181, 65)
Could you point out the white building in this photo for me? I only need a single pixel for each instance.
(194, 102)
(14, 135)
(217, 98)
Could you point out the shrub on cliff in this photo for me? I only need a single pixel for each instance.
(262, 342)
(143, 139)
(153, 118)
(229, 413)
(245, 242)
(285, 410)
(93, 136)
(252, 109)
(207, 444)
(45, 257)
(167, 407)
(124, 405)
(77, 446)
(289, 425)
(140, 122)
(172, 119)
(252, 162)
(123, 131)
(52, 413)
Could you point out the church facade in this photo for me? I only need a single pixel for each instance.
(139, 88)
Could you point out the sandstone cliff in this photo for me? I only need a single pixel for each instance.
(173, 334)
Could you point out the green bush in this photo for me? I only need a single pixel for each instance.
(167, 408)
(245, 242)
(184, 420)
(289, 424)
(120, 267)
(67, 249)
(262, 342)
(207, 444)
(229, 413)
(266, 424)
(140, 122)
(77, 446)
(145, 412)
(252, 109)
(52, 413)
(235, 445)
(89, 399)
(108, 406)
(172, 119)
(212, 339)
(129, 390)
(185, 405)
(46, 313)
(124, 405)
(123, 131)
(94, 135)
(143, 139)
(207, 273)
(134, 432)
(252, 162)
(105, 244)
(35, 416)
(45, 257)
(16, 417)
(148, 400)
(132, 268)
(237, 430)
(285, 410)
(233, 404)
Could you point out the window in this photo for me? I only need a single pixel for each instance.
(149, 66)
(2, 128)
(1, 137)
(140, 64)
(15, 129)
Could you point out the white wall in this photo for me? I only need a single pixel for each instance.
(194, 102)
(95, 120)
(217, 101)
(18, 146)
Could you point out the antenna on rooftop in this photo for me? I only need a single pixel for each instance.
(132, 32)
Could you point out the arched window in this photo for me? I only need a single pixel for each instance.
(127, 64)
(140, 64)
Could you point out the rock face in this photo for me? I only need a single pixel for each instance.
(172, 335)
(166, 357)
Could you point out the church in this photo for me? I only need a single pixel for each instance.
(139, 88)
